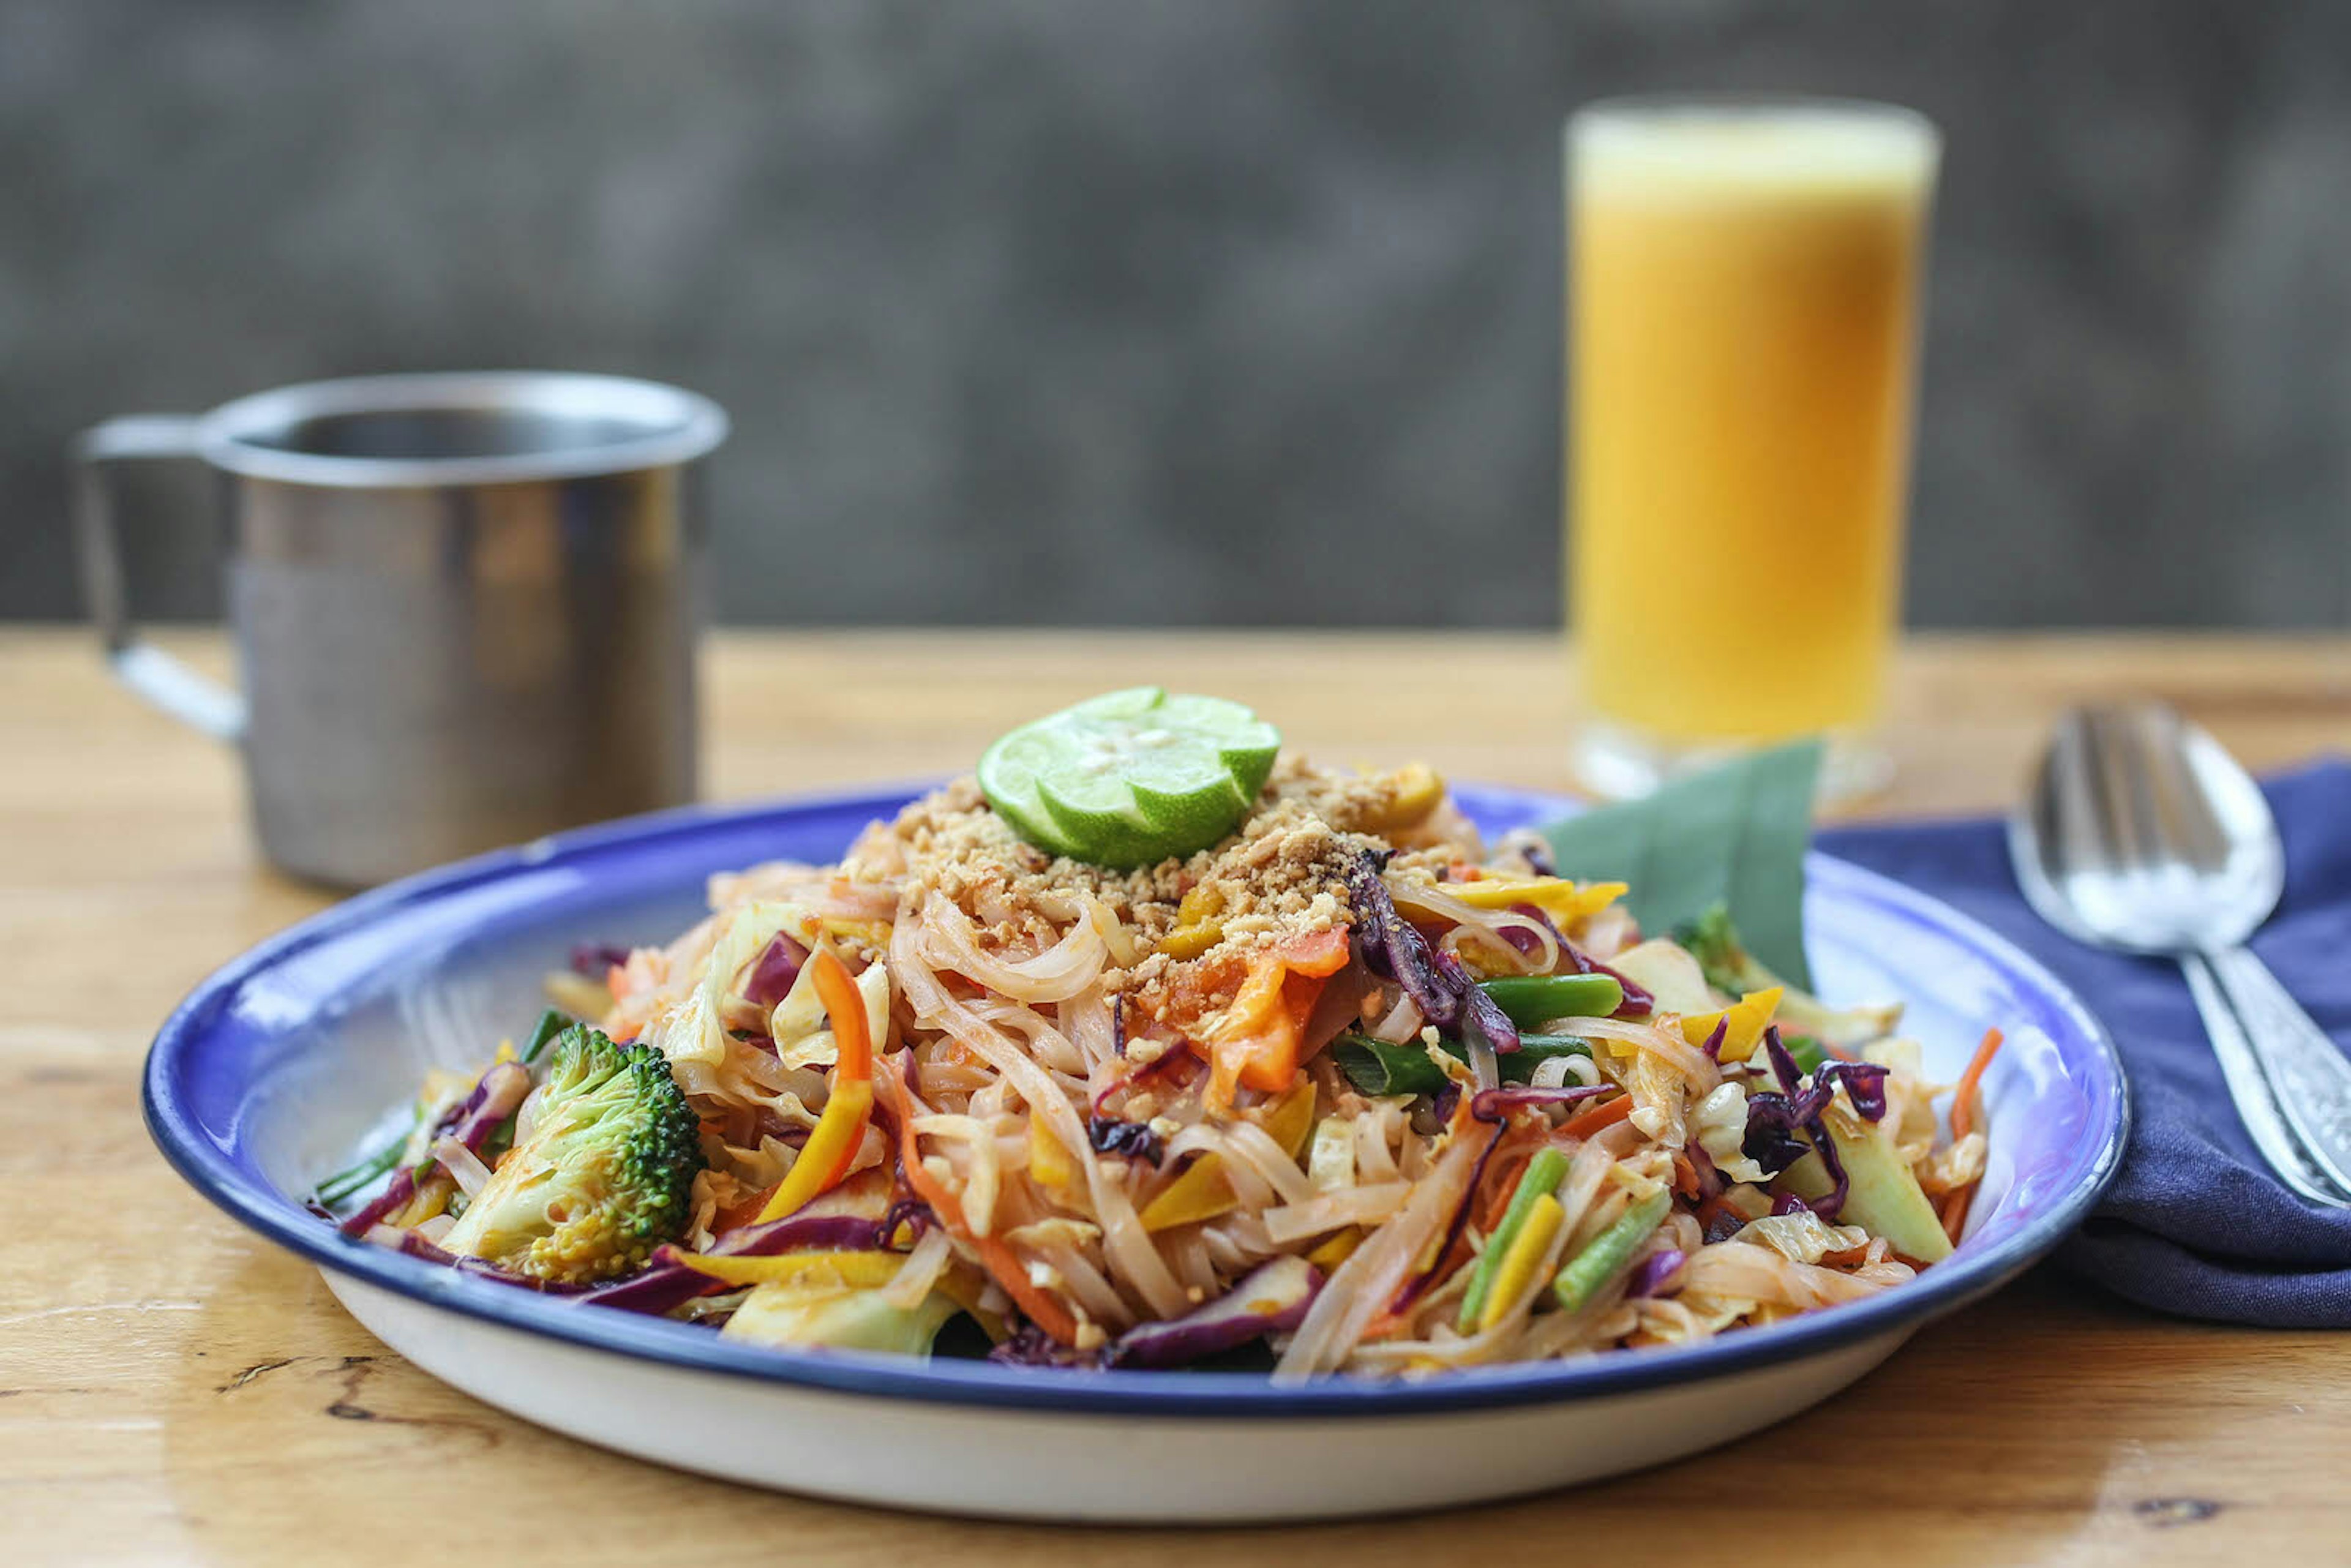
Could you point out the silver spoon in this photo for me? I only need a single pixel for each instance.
(2141, 834)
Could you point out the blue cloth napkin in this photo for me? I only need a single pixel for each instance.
(2195, 1224)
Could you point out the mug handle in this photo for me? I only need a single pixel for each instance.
(194, 699)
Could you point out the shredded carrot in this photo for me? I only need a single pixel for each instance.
(1963, 1099)
(1002, 1264)
(1585, 1123)
(1964, 1106)
(1257, 1043)
(743, 1211)
(1508, 1170)
(1709, 1209)
(1685, 1175)
(832, 1147)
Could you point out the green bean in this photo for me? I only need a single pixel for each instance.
(344, 1182)
(1535, 999)
(1375, 1067)
(1607, 1253)
(551, 1022)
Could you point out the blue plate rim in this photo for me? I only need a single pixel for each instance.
(1948, 1287)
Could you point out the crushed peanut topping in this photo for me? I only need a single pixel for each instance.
(1196, 922)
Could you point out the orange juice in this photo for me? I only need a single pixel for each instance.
(1742, 320)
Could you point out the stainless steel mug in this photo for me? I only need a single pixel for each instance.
(465, 605)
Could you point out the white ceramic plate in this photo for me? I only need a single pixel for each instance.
(276, 1067)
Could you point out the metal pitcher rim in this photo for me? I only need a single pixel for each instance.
(678, 426)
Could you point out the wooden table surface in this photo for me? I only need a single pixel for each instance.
(173, 1390)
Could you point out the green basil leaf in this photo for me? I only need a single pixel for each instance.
(1733, 835)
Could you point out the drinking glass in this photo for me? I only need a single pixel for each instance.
(1743, 286)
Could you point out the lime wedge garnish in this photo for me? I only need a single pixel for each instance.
(1131, 777)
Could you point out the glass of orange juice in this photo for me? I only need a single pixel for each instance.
(1744, 278)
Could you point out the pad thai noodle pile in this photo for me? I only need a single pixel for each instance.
(1346, 1087)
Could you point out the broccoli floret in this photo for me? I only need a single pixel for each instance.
(1722, 957)
(605, 1176)
(1713, 940)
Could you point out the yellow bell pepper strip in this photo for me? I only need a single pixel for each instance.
(1050, 1165)
(1743, 1024)
(825, 1157)
(861, 1270)
(1565, 902)
(1418, 791)
(1003, 1265)
(1545, 1171)
(1290, 1121)
(1199, 924)
(1202, 1191)
(1337, 1249)
(1517, 1270)
(1255, 1041)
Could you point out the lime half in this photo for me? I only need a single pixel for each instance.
(1132, 777)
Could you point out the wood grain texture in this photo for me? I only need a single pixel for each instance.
(172, 1390)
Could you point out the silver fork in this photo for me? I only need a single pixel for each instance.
(2141, 834)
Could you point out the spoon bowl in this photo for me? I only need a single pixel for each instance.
(2140, 833)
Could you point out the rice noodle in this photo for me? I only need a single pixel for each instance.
(920, 1270)
(1126, 1244)
(1404, 1021)
(1046, 1037)
(950, 941)
(1329, 1212)
(1362, 1285)
(1376, 1132)
(464, 1166)
(984, 1177)
(1694, 1065)
(1252, 1144)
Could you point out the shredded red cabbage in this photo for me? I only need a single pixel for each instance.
(1709, 1180)
(1492, 1105)
(1393, 948)
(1650, 1275)
(494, 1098)
(1270, 1298)
(1715, 1038)
(1638, 1002)
(772, 975)
(1414, 1289)
(1785, 1124)
(415, 1246)
(591, 960)
(1028, 1346)
(1446, 994)
(1865, 1086)
(915, 1214)
(665, 1284)
(1136, 1141)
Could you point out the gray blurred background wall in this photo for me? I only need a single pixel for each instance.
(1238, 311)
